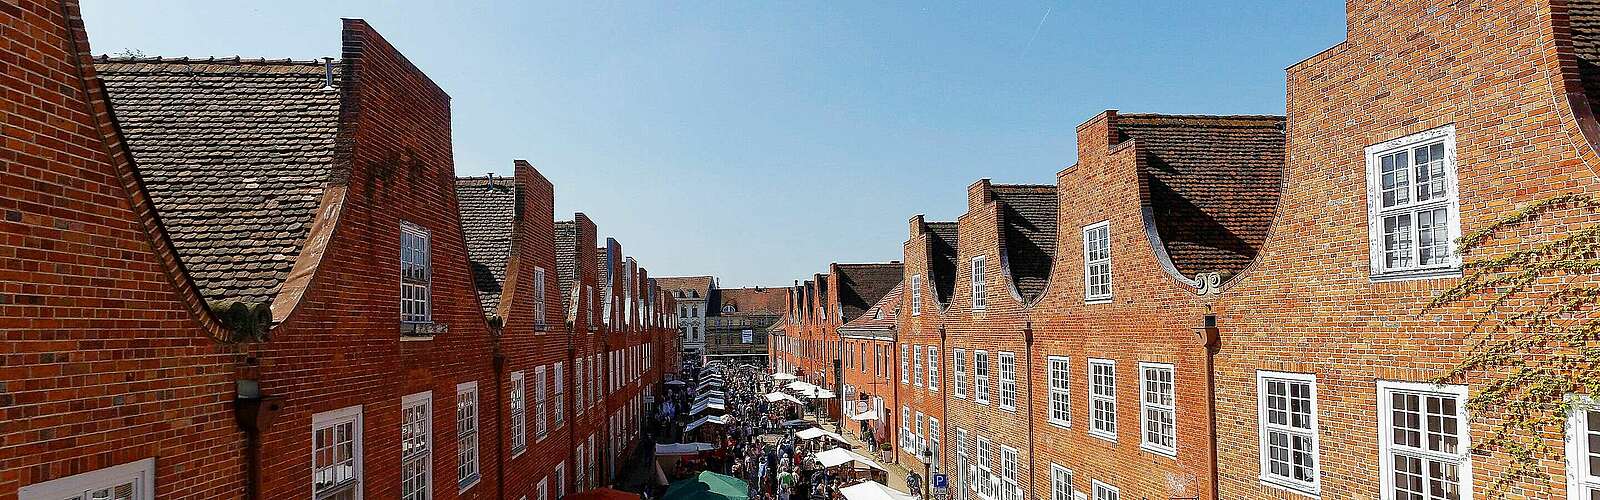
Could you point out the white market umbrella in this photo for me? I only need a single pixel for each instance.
(821, 394)
(702, 408)
(840, 456)
(674, 449)
(773, 397)
(817, 432)
(872, 490)
(866, 415)
(708, 419)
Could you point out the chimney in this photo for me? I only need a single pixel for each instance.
(327, 73)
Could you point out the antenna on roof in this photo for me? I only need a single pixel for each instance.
(491, 180)
(327, 73)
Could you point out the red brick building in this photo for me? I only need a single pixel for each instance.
(268, 283)
(869, 394)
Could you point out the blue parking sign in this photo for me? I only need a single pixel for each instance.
(940, 481)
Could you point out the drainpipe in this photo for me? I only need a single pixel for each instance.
(1027, 338)
(944, 405)
(254, 413)
(1212, 340)
(499, 362)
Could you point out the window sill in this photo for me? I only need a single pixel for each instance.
(422, 329)
(1290, 486)
(1103, 435)
(518, 452)
(1012, 409)
(983, 402)
(415, 338)
(1063, 424)
(475, 480)
(1165, 452)
(1096, 300)
(1421, 274)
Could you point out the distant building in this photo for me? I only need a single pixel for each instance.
(738, 319)
(691, 292)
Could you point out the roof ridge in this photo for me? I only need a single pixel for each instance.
(240, 60)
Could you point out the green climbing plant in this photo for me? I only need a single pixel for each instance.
(1535, 324)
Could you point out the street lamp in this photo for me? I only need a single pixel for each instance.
(927, 471)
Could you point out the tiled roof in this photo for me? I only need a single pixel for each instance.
(942, 258)
(700, 285)
(235, 155)
(751, 301)
(1584, 16)
(881, 316)
(861, 285)
(1213, 184)
(567, 258)
(1028, 228)
(488, 220)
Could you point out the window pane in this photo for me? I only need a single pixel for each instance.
(1433, 238)
(1397, 241)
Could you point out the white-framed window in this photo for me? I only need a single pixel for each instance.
(1008, 381)
(577, 381)
(1288, 427)
(986, 477)
(921, 434)
(958, 361)
(1103, 398)
(416, 446)
(1097, 262)
(1103, 491)
(905, 429)
(1423, 441)
(980, 376)
(561, 479)
(1010, 487)
(980, 299)
(544, 489)
(538, 298)
(916, 363)
(588, 309)
(540, 402)
(1583, 450)
(1060, 370)
(559, 400)
(1413, 213)
(466, 435)
(933, 368)
(916, 295)
(336, 454)
(1157, 404)
(1060, 483)
(580, 471)
(130, 481)
(933, 443)
(965, 470)
(519, 412)
(905, 364)
(416, 274)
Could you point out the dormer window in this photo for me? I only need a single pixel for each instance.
(416, 274)
(1413, 215)
(727, 308)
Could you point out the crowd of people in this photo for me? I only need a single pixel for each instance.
(754, 439)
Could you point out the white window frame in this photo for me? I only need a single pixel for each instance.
(141, 474)
(468, 471)
(519, 414)
(577, 385)
(421, 453)
(987, 484)
(1103, 491)
(1580, 482)
(1387, 450)
(905, 363)
(958, 362)
(1450, 202)
(1103, 428)
(920, 434)
(1010, 482)
(348, 415)
(905, 429)
(539, 278)
(1060, 483)
(1149, 411)
(1008, 380)
(1265, 428)
(980, 295)
(933, 369)
(1093, 263)
(1059, 379)
(980, 377)
(916, 366)
(916, 295)
(558, 398)
(416, 274)
(965, 469)
(561, 479)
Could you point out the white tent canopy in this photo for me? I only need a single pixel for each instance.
(866, 415)
(840, 456)
(773, 397)
(803, 386)
(676, 382)
(708, 419)
(872, 490)
(816, 432)
(821, 394)
(701, 408)
(682, 448)
(782, 376)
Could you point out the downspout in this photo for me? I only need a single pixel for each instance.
(1027, 338)
(944, 402)
(1212, 339)
(572, 402)
(499, 411)
(894, 381)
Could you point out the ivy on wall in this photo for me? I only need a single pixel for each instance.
(1535, 324)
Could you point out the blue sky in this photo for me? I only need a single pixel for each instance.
(759, 141)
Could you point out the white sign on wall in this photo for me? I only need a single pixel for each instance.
(747, 336)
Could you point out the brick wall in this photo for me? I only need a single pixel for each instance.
(103, 360)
